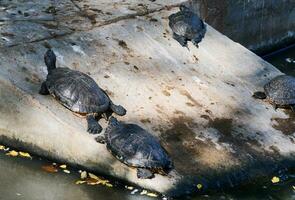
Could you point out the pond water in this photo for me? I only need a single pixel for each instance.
(23, 178)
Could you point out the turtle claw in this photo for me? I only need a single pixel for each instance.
(94, 129)
(93, 126)
(100, 139)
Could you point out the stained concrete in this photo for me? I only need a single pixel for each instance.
(197, 102)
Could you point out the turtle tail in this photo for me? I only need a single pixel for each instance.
(119, 110)
(50, 60)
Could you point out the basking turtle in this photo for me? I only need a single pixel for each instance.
(136, 147)
(187, 26)
(280, 92)
(78, 92)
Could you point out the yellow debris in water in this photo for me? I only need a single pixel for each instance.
(93, 176)
(24, 154)
(129, 187)
(12, 153)
(199, 186)
(275, 179)
(66, 171)
(108, 185)
(150, 194)
(143, 192)
(83, 175)
(63, 166)
(2, 147)
(80, 182)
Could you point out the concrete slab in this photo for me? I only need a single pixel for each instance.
(197, 102)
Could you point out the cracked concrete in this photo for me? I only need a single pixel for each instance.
(197, 102)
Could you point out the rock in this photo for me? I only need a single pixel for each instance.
(217, 134)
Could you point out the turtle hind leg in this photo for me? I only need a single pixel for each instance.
(100, 139)
(144, 173)
(196, 41)
(292, 107)
(43, 90)
(119, 110)
(182, 40)
(93, 125)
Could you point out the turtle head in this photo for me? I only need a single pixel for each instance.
(259, 95)
(113, 122)
(50, 60)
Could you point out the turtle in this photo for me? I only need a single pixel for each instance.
(187, 26)
(136, 147)
(280, 92)
(79, 93)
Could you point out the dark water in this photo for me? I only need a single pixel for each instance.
(23, 178)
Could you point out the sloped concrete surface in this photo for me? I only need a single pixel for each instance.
(197, 102)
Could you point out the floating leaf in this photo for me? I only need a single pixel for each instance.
(143, 192)
(79, 182)
(134, 191)
(24, 154)
(2, 147)
(275, 179)
(108, 185)
(93, 176)
(12, 153)
(63, 166)
(50, 168)
(150, 194)
(83, 175)
(129, 187)
(92, 181)
(66, 171)
(199, 186)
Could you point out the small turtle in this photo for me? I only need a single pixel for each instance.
(187, 26)
(79, 93)
(137, 148)
(280, 92)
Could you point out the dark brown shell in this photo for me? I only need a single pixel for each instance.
(136, 147)
(77, 91)
(187, 24)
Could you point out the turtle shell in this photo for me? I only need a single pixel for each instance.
(281, 90)
(188, 24)
(77, 91)
(136, 147)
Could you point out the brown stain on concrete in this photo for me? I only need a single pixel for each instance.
(166, 93)
(189, 154)
(287, 125)
(189, 97)
(223, 125)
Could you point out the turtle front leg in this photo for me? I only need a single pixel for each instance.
(144, 173)
(182, 40)
(293, 107)
(43, 90)
(93, 125)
